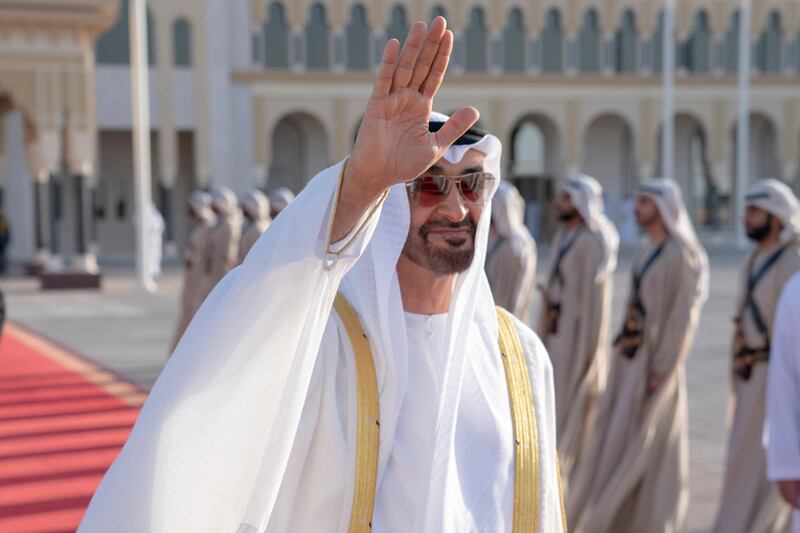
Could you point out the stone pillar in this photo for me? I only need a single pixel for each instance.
(608, 52)
(18, 186)
(533, 54)
(297, 49)
(496, 53)
(338, 50)
(571, 53)
(80, 163)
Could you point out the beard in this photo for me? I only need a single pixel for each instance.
(566, 216)
(452, 258)
(759, 233)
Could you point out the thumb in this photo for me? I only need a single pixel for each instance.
(458, 123)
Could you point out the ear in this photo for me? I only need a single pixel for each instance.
(775, 224)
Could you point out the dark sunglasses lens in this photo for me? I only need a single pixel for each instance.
(472, 187)
(430, 190)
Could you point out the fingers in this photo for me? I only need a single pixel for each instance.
(405, 65)
(427, 54)
(434, 80)
(458, 123)
(383, 82)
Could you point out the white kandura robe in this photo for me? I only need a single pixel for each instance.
(251, 426)
(579, 347)
(634, 475)
(749, 502)
(783, 391)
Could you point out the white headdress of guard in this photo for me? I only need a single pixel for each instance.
(666, 193)
(224, 199)
(256, 204)
(200, 202)
(508, 216)
(586, 194)
(776, 198)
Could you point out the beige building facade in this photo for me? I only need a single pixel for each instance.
(256, 93)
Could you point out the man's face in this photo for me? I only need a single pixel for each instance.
(564, 208)
(645, 210)
(441, 237)
(757, 223)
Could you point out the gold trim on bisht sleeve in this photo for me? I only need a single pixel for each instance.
(368, 425)
(526, 451)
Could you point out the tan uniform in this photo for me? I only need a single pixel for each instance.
(224, 249)
(511, 257)
(574, 326)
(250, 235)
(749, 502)
(634, 474)
(197, 276)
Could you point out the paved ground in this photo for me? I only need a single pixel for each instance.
(129, 332)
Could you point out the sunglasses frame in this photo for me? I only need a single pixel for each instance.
(485, 177)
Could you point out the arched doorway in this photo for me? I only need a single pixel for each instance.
(609, 157)
(703, 194)
(534, 168)
(299, 151)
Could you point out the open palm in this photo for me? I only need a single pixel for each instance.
(393, 143)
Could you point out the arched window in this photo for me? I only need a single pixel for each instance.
(768, 48)
(317, 39)
(358, 38)
(182, 43)
(732, 45)
(113, 47)
(589, 43)
(476, 38)
(438, 11)
(552, 43)
(626, 42)
(398, 25)
(514, 42)
(697, 48)
(529, 151)
(276, 37)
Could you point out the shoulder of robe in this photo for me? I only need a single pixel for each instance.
(675, 254)
(589, 244)
(792, 256)
(534, 349)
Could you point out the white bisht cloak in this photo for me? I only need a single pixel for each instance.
(216, 447)
(783, 391)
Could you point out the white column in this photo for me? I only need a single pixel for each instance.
(743, 121)
(19, 206)
(668, 93)
(141, 139)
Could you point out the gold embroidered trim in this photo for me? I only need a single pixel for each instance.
(561, 495)
(526, 456)
(526, 451)
(355, 236)
(368, 421)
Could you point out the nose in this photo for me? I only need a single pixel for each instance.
(453, 207)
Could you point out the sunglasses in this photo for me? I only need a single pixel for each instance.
(474, 188)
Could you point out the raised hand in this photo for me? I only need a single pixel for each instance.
(393, 143)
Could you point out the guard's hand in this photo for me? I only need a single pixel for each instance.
(394, 144)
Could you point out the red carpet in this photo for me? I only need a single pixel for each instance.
(62, 423)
